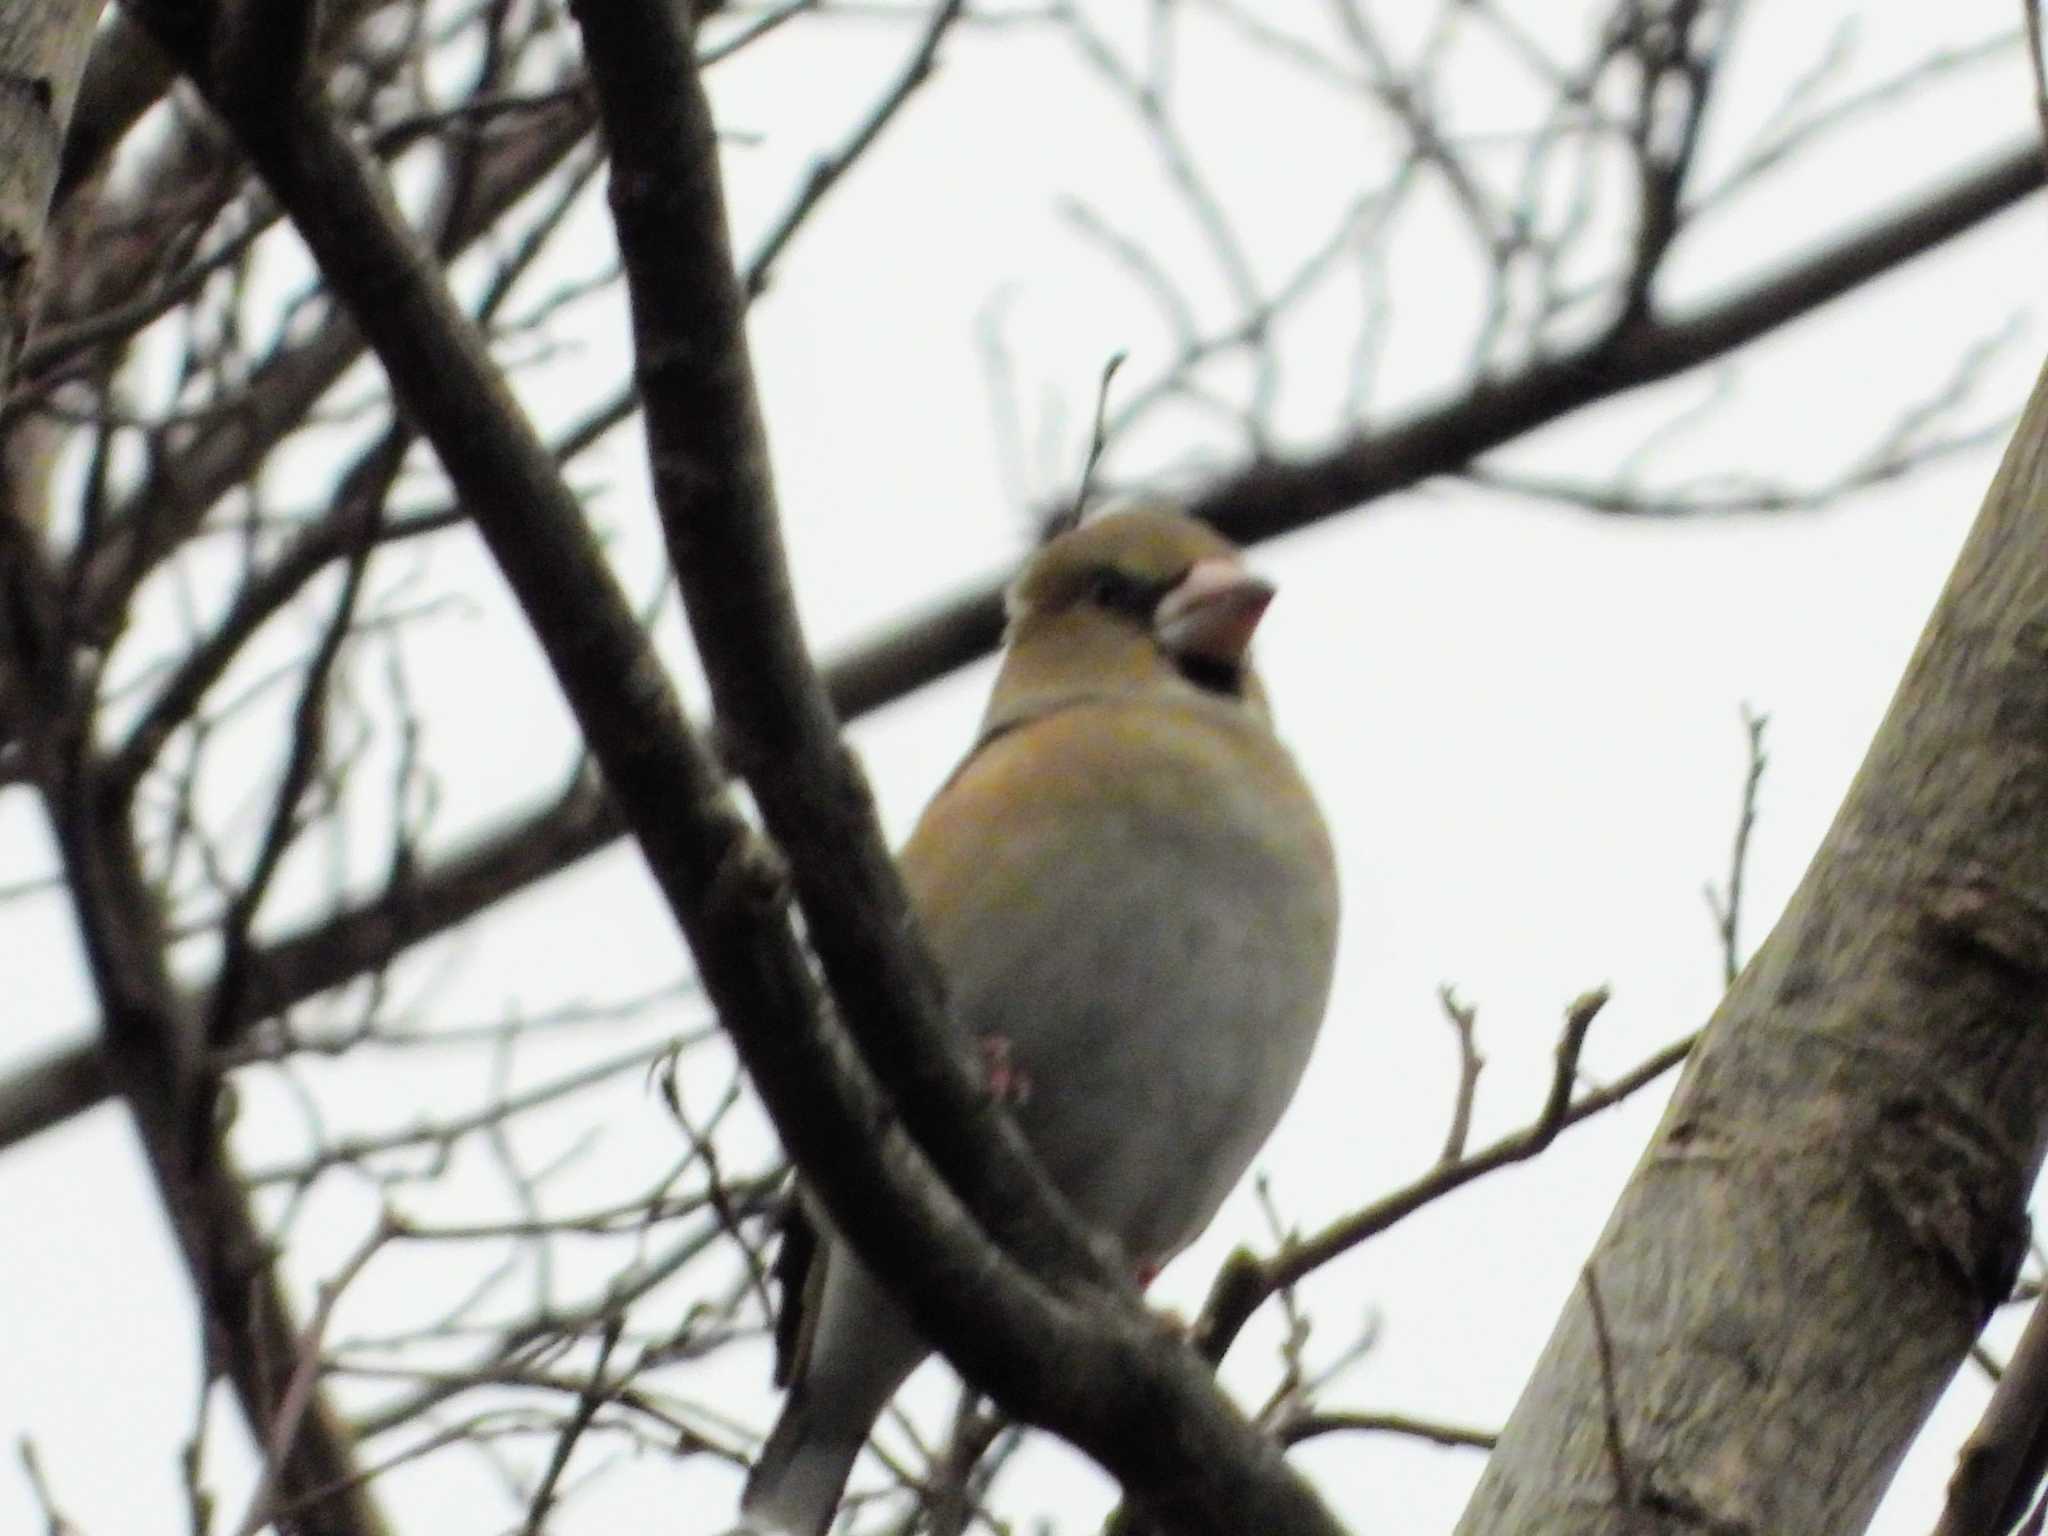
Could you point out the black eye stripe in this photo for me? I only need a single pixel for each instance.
(1122, 593)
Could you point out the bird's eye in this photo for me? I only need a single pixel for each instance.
(1122, 593)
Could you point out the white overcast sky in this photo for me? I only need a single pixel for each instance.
(1524, 721)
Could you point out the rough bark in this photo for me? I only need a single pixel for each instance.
(1836, 1196)
(43, 47)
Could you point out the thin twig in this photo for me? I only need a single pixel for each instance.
(1727, 906)
(1294, 1334)
(1098, 439)
(55, 1521)
(827, 169)
(1307, 1426)
(1464, 1019)
(953, 1493)
(593, 1397)
(1246, 1282)
(306, 1371)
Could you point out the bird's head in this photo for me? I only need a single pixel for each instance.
(1138, 600)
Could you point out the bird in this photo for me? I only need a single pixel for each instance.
(1131, 894)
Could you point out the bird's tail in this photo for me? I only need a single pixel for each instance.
(795, 1485)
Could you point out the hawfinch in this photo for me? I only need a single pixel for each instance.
(1131, 893)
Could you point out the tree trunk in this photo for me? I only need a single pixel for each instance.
(1836, 1197)
(43, 45)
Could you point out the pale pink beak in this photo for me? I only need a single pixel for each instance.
(1213, 611)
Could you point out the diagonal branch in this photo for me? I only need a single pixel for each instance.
(1245, 1283)
(776, 723)
(2000, 1466)
(827, 170)
(1208, 1469)
(1261, 501)
(1268, 498)
(1099, 1371)
(534, 846)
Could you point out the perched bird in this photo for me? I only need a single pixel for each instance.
(1131, 893)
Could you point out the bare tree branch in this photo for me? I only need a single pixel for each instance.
(185, 442)
(1246, 1282)
(1726, 905)
(1276, 496)
(153, 1053)
(829, 168)
(1868, 1186)
(718, 514)
(2001, 1464)
(719, 884)
(1261, 502)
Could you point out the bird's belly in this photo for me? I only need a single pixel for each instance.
(1156, 1037)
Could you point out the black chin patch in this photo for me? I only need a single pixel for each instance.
(1211, 675)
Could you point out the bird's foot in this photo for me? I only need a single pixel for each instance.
(1008, 1081)
(1175, 1323)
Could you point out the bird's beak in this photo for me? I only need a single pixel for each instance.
(1213, 611)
